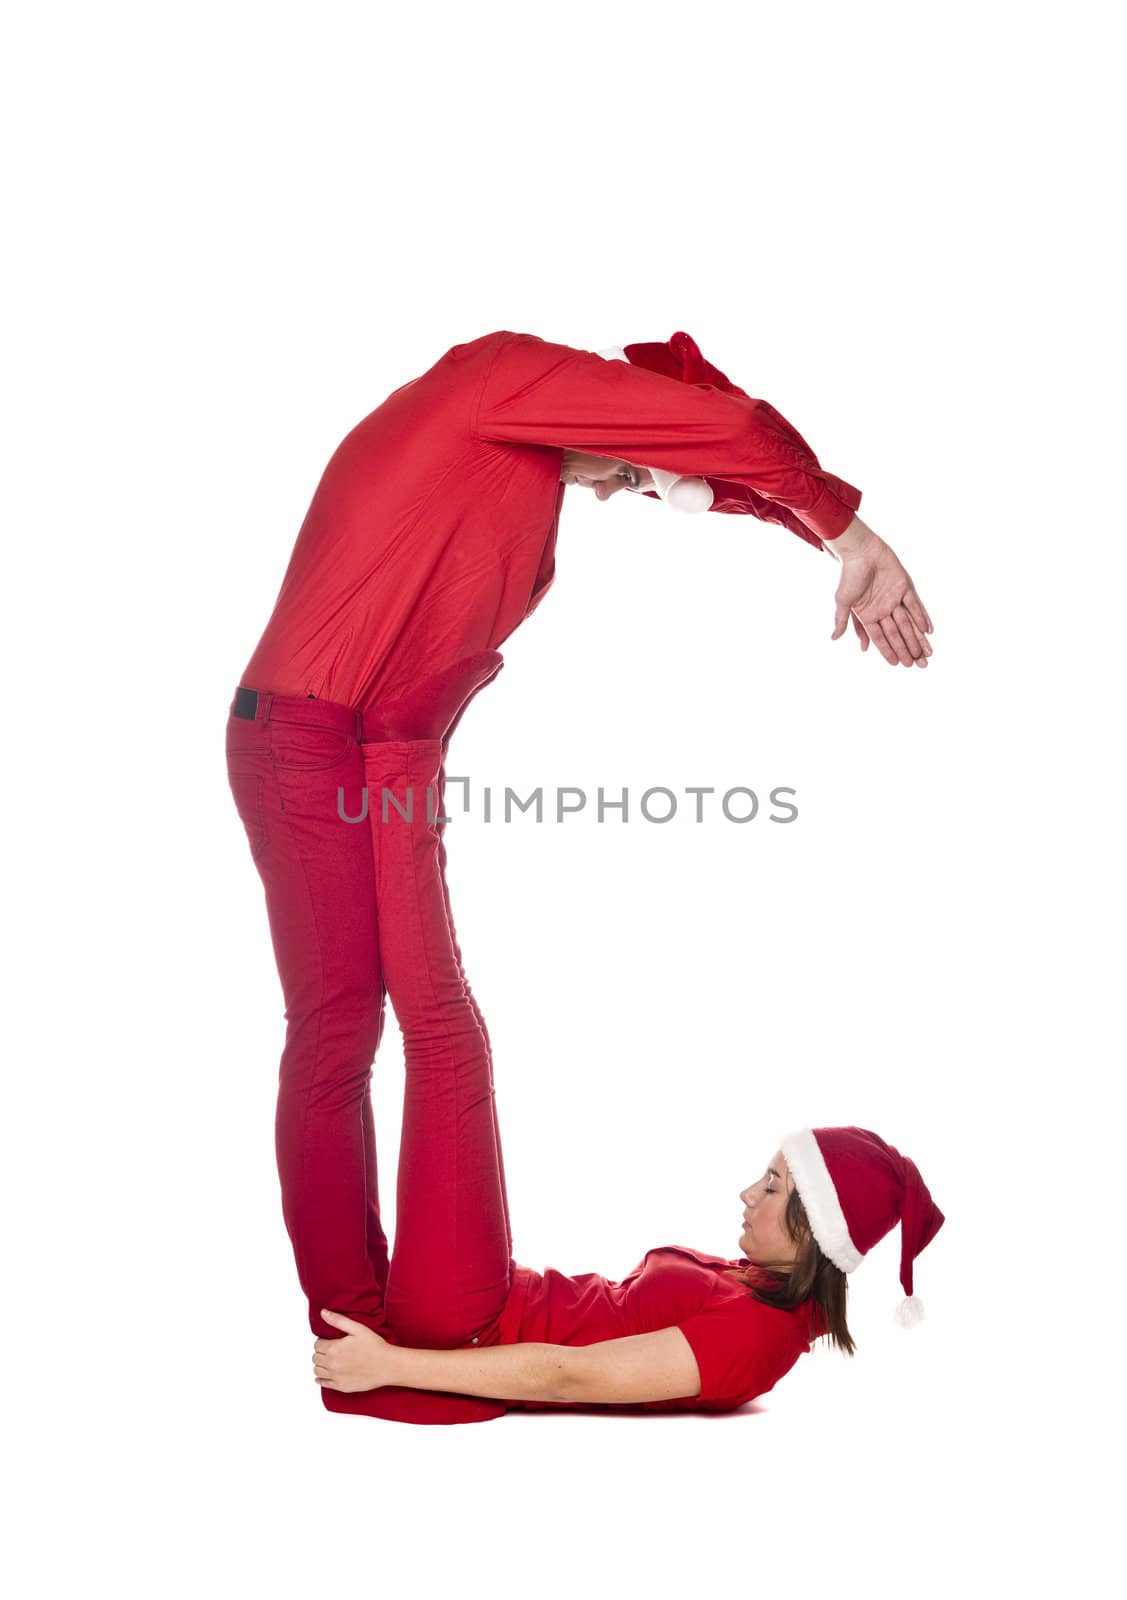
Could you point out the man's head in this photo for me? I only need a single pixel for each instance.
(604, 474)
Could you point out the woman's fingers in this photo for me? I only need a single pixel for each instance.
(859, 629)
(322, 1362)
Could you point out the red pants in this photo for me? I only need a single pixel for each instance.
(354, 906)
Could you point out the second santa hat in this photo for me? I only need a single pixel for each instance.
(683, 494)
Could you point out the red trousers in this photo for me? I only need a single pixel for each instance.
(355, 906)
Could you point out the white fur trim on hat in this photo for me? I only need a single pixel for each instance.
(819, 1197)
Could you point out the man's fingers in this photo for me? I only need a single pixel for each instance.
(925, 646)
(910, 636)
(841, 618)
(859, 629)
(916, 611)
(876, 634)
(892, 633)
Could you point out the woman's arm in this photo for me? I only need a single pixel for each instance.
(501, 1372)
(645, 1366)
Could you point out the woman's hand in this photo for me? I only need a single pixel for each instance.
(877, 595)
(358, 1361)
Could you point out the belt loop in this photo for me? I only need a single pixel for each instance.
(359, 726)
(269, 698)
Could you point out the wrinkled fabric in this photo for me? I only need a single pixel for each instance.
(742, 1347)
(432, 532)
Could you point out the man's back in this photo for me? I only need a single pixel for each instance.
(422, 544)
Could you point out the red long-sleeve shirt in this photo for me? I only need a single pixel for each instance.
(432, 532)
(742, 1347)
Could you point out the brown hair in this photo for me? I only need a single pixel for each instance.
(812, 1276)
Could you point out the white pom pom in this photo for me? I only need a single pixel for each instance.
(682, 494)
(689, 494)
(909, 1312)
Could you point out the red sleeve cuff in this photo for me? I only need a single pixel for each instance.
(828, 517)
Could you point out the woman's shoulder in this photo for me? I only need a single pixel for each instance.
(736, 1278)
(703, 1257)
(718, 1277)
(728, 1268)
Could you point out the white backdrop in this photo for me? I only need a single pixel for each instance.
(236, 229)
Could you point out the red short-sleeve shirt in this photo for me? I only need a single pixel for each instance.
(742, 1347)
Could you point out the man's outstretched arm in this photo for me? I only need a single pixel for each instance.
(539, 393)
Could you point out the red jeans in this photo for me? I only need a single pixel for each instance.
(355, 905)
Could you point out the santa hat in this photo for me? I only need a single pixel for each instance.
(683, 494)
(680, 358)
(855, 1189)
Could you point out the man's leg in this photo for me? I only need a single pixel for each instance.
(287, 758)
(473, 1002)
(450, 1271)
(444, 1295)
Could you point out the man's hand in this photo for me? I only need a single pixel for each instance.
(358, 1361)
(876, 593)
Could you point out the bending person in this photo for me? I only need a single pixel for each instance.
(470, 1333)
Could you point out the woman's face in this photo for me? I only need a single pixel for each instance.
(604, 474)
(765, 1239)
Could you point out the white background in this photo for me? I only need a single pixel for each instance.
(234, 230)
